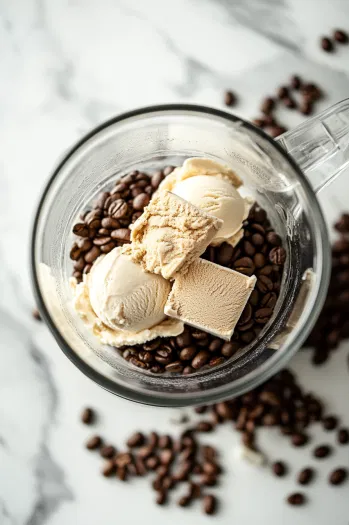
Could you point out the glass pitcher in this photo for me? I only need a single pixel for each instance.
(283, 176)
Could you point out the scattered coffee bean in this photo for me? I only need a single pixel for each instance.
(295, 82)
(108, 469)
(204, 426)
(229, 98)
(296, 498)
(343, 436)
(322, 451)
(88, 416)
(305, 476)
(209, 504)
(299, 439)
(279, 468)
(268, 105)
(326, 44)
(94, 442)
(107, 451)
(330, 422)
(36, 314)
(161, 497)
(338, 476)
(340, 36)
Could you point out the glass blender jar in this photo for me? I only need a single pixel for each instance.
(283, 176)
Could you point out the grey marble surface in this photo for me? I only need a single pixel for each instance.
(67, 65)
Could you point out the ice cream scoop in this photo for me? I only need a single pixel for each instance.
(212, 187)
(123, 296)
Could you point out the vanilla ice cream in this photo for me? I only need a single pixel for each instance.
(123, 296)
(213, 188)
(170, 234)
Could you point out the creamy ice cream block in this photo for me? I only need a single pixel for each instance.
(212, 187)
(170, 234)
(210, 297)
(122, 304)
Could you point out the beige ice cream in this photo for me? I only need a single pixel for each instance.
(213, 188)
(210, 297)
(122, 303)
(170, 234)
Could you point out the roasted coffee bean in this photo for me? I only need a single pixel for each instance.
(259, 122)
(152, 462)
(215, 345)
(188, 370)
(136, 440)
(118, 209)
(94, 442)
(81, 230)
(168, 482)
(92, 254)
(100, 241)
(204, 426)
(244, 265)
(88, 416)
(210, 468)
(153, 440)
(166, 456)
(274, 239)
(295, 82)
(276, 131)
(224, 254)
(184, 501)
(296, 499)
(338, 476)
(306, 108)
(326, 44)
(322, 451)
(75, 252)
(165, 442)
(277, 255)
(107, 451)
(229, 98)
(268, 105)
(279, 469)
(282, 92)
(264, 284)
(249, 249)
(183, 340)
(156, 179)
(340, 36)
(141, 201)
(36, 314)
(108, 469)
(299, 439)
(343, 436)
(161, 497)
(200, 359)
(208, 481)
(262, 315)
(106, 248)
(121, 234)
(305, 476)
(123, 459)
(121, 473)
(259, 260)
(289, 102)
(188, 353)
(100, 201)
(175, 366)
(330, 422)
(209, 503)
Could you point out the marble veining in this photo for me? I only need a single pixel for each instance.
(67, 65)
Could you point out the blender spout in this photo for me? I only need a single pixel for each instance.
(320, 146)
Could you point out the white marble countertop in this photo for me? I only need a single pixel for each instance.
(65, 66)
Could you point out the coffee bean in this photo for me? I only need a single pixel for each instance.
(259, 122)
(204, 426)
(118, 209)
(289, 102)
(184, 501)
(279, 469)
(296, 499)
(276, 131)
(200, 359)
(141, 201)
(81, 230)
(338, 476)
(330, 422)
(175, 366)
(136, 440)
(305, 476)
(282, 92)
(166, 456)
(224, 254)
(340, 36)
(250, 250)
(343, 436)
(244, 265)
(100, 241)
(108, 469)
(165, 442)
(121, 234)
(306, 108)
(262, 315)
(88, 416)
(268, 105)
(299, 439)
(94, 442)
(161, 497)
(322, 451)
(277, 255)
(168, 482)
(326, 44)
(107, 451)
(75, 252)
(92, 254)
(36, 314)
(209, 503)
(295, 82)
(264, 284)
(229, 98)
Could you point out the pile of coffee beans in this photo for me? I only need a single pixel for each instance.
(259, 253)
(333, 324)
(170, 462)
(338, 37)
(294, 95)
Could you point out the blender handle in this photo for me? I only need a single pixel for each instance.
(320, 146)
